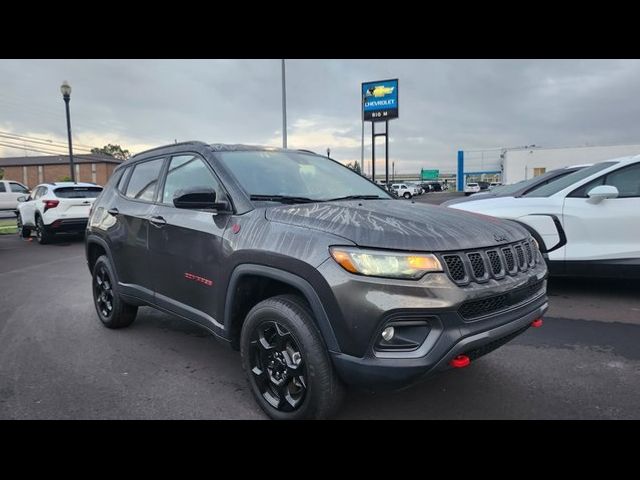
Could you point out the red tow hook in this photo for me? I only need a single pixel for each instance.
(537, 323)
(460, 361)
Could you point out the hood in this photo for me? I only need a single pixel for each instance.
(400, 225)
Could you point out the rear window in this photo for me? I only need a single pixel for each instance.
(472, 184)
(77, 192)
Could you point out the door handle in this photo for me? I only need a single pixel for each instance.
(113, 211)
(158, 221)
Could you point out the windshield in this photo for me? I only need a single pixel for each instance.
(300, 175)
(554, 187)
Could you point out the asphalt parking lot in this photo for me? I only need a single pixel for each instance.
(58, 362)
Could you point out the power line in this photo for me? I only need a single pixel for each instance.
(37, 139)
(48, 152)
(50, 145)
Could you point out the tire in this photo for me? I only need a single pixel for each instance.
(279, 333)
(120, 314)
(24, 232)
(42, 234)
(407, 195)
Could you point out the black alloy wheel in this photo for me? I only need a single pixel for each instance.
(103, 291)
(277, 366)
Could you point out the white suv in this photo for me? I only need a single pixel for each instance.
(9, 193)
(404, 190)
(587, 222)
(470, 188)
(61, 207)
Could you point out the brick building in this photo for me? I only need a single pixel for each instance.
(32, 171)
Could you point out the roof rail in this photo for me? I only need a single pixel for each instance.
(189, 142)
(306, 151)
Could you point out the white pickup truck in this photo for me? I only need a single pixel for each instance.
(9, 193)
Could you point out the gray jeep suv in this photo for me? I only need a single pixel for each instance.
(317, 275)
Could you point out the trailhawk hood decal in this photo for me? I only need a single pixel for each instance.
(400, 225)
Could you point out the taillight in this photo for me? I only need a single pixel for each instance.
(50, 204)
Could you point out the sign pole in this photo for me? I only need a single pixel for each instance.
(362, 146)
(373, 151)
(386, 151)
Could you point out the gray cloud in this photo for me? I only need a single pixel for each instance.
(445, 105)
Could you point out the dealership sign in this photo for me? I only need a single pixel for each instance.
(380, 100)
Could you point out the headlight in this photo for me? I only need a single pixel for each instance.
(377, 263)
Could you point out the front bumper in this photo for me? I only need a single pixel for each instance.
(399, 372)
(367, 305)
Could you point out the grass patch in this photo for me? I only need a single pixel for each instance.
(8, 226)
(8, 230)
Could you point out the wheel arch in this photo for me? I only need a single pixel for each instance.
(95, 246)
(292, 283)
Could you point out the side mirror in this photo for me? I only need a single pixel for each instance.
(200, 200)
(23, 198)
(602, 192)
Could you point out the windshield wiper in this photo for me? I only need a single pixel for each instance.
(283, 199)
(355, 197)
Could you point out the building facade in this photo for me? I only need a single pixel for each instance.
(32, 171)
(525, 163)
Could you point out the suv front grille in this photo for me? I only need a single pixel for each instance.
(480, 265)
(477, 265)
(495, 262)
(455, 267)
(489, 305)
(508, 256)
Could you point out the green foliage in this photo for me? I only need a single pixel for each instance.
(1, 174)
(66, 178)
(115, 151)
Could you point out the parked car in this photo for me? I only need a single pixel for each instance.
(493, 185)
(484, 185)
(470, 188)
(56, 208)
(434, 186)
(417, 186)
(520, 188)
(587, 222)
(404, 190)
(9, 193)
(314, 273)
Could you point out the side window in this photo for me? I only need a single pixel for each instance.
(2, 187)
(185, 173)
(17, 188)
(39, 192)
(626, 180)
(582, 191)
(123, 180)
(144, 180)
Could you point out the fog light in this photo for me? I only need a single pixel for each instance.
(388, 333)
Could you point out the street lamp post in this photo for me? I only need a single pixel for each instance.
(65, 89)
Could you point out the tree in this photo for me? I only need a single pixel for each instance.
(114, 151)
(355, 166)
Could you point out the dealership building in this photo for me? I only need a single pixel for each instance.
(524, 163)
(32, 171)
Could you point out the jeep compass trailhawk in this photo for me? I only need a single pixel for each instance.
(317, 275)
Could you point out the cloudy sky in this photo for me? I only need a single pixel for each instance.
(445, 105)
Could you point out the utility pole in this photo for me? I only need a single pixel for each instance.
(362, 144)
(284, 108)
